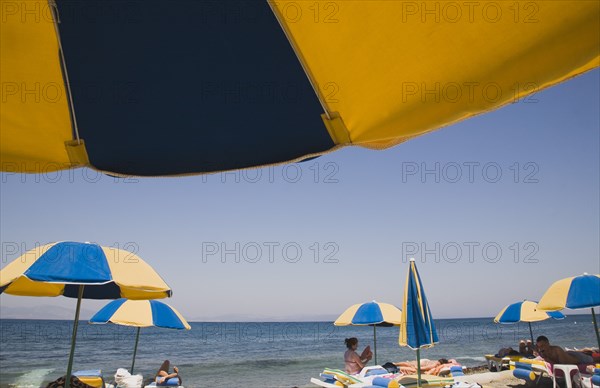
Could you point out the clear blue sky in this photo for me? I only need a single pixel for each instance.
(363, 212)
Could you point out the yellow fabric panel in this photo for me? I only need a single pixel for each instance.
(133, 313)
(403, 336)
(93, 381)
(394, 70)
(25, 287)
(530, 313)
(17, 267)
(497, 318)
(391, 313)
(134, 276)
(346, 318)
(555, 297)
(35, 117)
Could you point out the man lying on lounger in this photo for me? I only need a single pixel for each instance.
(557, 355)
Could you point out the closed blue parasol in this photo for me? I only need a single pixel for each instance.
(417, 330)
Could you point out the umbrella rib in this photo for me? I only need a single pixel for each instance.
(71, 283)
(299, 57)
(56, 20)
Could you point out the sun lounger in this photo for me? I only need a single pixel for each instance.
(496, 364)
(368, 377)
(427, 380)
(154, 385)
(93, 378)
(535, 369)
(452, 371)
(75, 383)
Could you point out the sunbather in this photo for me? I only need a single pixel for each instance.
(163, 375)
(557, 355)
(503, 352)
(527, 349)
(354, 362)
(429, 366)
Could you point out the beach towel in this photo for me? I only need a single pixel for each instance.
(124, 379)
(582, 357)
(75, 383)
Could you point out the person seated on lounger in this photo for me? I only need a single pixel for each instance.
(527, 349)
(163, 375)
(354, 362)
(557, 355)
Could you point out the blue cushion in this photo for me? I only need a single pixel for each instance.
(376, 371)
(172, 382)
(89, 372)
(523, 365)
(525, 374)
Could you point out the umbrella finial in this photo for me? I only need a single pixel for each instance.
(411, 259)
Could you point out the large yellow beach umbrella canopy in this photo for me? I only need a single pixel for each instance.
(255, 83)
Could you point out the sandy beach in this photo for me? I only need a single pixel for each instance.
(501, 379)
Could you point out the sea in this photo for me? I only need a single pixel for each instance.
(249, 354)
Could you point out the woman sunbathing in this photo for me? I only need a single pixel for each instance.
(429, 366)
(163, 375)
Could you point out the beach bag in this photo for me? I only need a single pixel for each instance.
(390, 367)
(124, 379)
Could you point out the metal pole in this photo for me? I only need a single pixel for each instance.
(137, 338)
(596, 327)
(531, 333)
(419, 368)
(375, 342)
(73, 338)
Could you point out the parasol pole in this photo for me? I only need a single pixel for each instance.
(418, 367)
(531, 333)
(596, 327)
(375, 342)
(73, 338)
(137, 338)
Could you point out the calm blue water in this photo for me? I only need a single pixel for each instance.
(252, 355)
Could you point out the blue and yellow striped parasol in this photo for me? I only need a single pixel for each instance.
(418, 329)
(525, 311)
(576, 292)
(140, 313)
(82, 271)
(372, 314)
